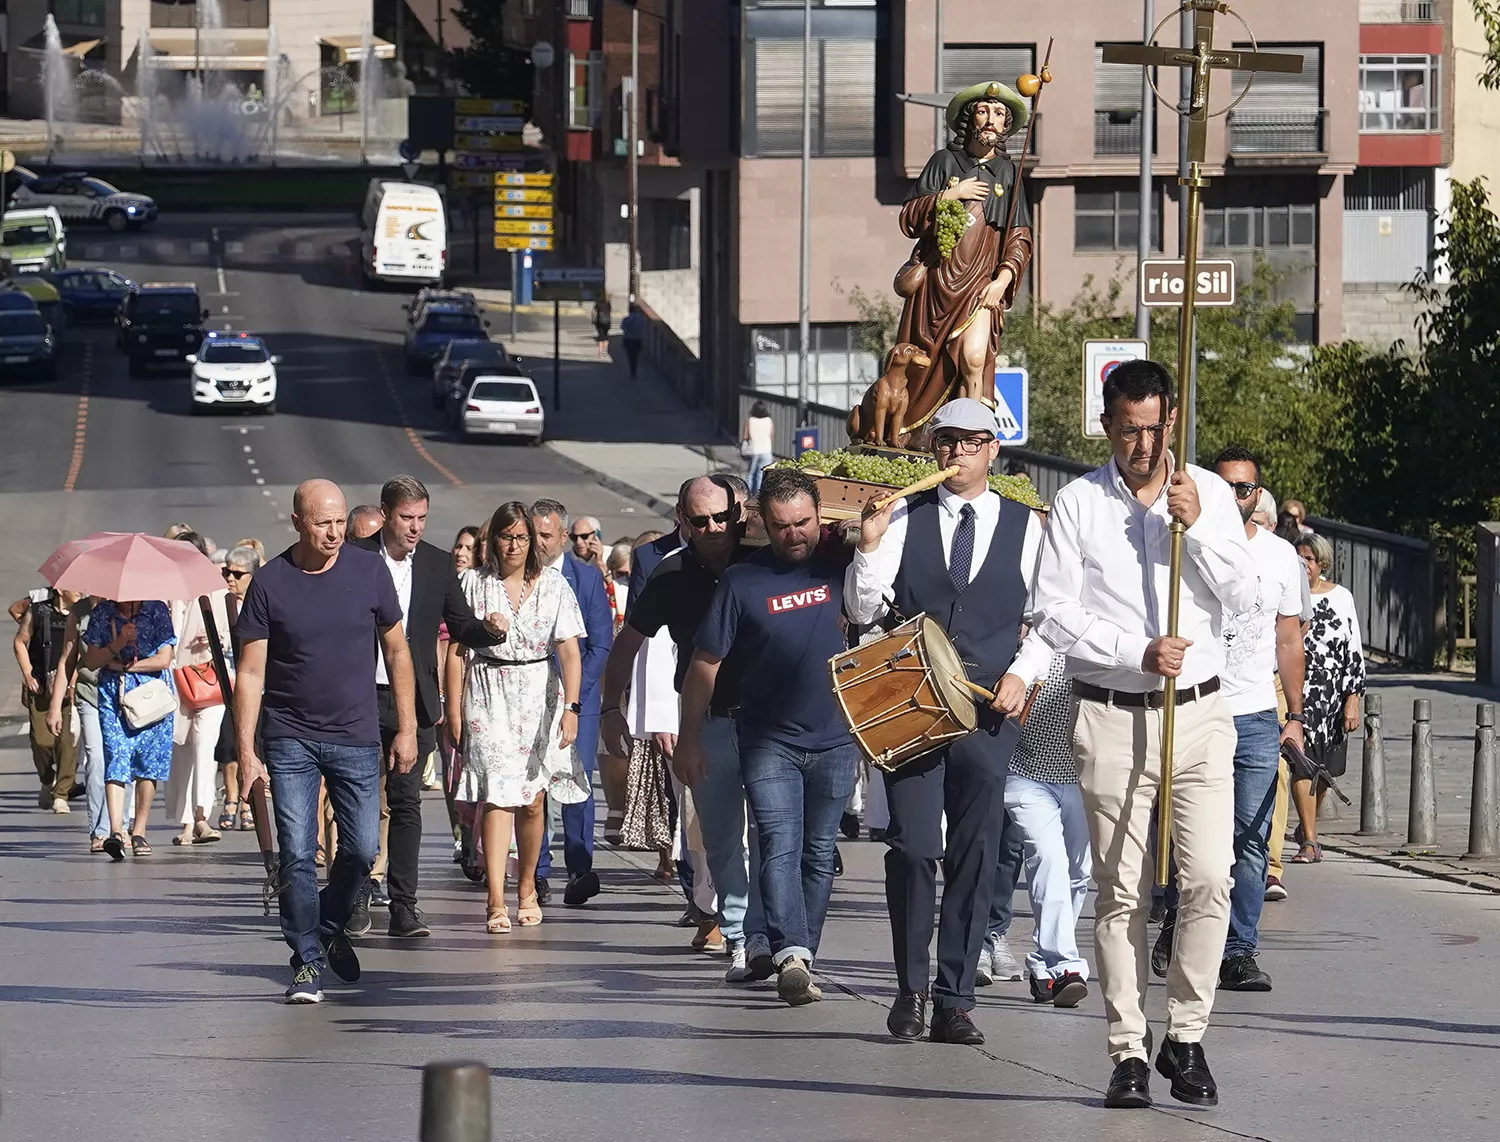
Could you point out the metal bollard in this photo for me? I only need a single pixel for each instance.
(1484, 823)
(1373, 819)
(1421, 814)
(455, 1102)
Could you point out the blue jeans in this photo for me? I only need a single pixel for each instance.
(797, 797)
(353, 777)
(720, 798)
(758, 464)
(91, 761)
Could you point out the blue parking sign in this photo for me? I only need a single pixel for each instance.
(1012, 401)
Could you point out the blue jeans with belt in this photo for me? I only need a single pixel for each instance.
(352, 772)
(797, 796)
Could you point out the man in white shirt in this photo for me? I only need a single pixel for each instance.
(1101, 598)
(1257, 643)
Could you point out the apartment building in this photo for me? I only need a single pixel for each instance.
(1331, 174)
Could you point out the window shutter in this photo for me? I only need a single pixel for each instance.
(848, 99)
(1117, 86)
(778, 97)
(1273, 92)
(967, 64)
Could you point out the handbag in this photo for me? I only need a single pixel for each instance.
(198, 686)
(746, 449)
(149, 703)
(648, 801)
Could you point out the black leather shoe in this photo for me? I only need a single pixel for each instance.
(1069, 990)
(543, 890)
(953, 1025)
(1129, 1086)
(838, 862)
(877, 835)
(908, 1017)
(407, 922)
(1242, 973)
(378, 895)
(581, 889)
(1041, 989)
(359, 919)
(849, 826)
(1185, 1065)
(1161, 952)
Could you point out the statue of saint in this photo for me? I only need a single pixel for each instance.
(955, 304)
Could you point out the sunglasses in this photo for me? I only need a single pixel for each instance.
(1243, 489)
(727, 516)
(579, 537)
(231, 574)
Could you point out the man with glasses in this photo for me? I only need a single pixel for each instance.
(1258, 643)
(964, 556)
(1101, 599)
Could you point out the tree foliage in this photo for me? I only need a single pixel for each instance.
(1488, 14)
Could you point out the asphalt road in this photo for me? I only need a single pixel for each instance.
(100, 450)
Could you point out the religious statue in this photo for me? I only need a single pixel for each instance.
(973, 246)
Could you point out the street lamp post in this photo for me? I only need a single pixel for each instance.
(804, 259)
(632, 160)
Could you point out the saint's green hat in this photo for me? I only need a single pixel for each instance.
(1019, 112)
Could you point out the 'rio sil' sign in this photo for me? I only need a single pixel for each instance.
(1163, 282)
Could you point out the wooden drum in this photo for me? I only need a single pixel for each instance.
(898, 693)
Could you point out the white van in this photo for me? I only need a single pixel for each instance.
(404, 233)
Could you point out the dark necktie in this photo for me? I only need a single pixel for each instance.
(962, 554)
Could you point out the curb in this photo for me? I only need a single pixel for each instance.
(533, 310)
(1433, 868)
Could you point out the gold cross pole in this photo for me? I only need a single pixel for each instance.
(1204, 60)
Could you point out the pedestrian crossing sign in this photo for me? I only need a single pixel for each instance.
(1012, 405)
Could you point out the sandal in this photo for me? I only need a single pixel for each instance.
(529, 914)
(183, 839)
(320, 858)
(229, 814)
(1310, 853)
(96, 844)
(139, 846)
(247, 819)
(115, 846)
(496, 920)
(203, 835)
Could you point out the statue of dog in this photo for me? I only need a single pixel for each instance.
(879, 418)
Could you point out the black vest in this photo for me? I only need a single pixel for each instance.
(983, 620)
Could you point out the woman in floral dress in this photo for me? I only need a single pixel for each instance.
(520, 707)
(1331, 692)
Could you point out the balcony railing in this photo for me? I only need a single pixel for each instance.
(1397, 11)
(1117, 133)
(579, 9)
(1278, 136)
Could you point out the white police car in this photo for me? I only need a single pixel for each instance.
(79, 197)
(233, 370)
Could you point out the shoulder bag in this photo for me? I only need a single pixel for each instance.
(146, 705)
(198, 686)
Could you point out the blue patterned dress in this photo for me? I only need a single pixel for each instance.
(132, 755)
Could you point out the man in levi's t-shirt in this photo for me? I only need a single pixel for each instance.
(779, 614)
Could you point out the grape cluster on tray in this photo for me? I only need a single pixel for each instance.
(898, 473)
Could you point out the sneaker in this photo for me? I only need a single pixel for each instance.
(1242, 973)
(44, 798)
(709, 938)
(1069, 990)
(690, 916)
(1041, 988)
(359, 919)
(407, 922)
(1003, 965)
(849, 826)
(379, 897)
(1275, 890)
(60, 805)
(794, 983)
(758, 957)
(341, 957)
(304, 987)
(984, 971)
(739, 963)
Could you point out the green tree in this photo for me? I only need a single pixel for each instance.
(488, 67)
(1488, 14)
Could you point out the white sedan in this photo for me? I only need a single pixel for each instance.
(500, 402)
(233, 370)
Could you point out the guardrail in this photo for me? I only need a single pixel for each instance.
(1393, 579)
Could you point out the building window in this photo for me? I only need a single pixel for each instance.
(1108, 218)
(184, 13)
(1399, 93)
(840, 370)
(1117, 107)
(666, 234)
(581, 71)
(89, 13)
(1389, 188)
(1261, 227)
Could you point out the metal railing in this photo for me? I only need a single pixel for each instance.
(1117, 132)
(832, 424)
(580, 9)
(1393, 579)
(1465, 640)
(674, 360)
(1277, 133)
(1397, 11)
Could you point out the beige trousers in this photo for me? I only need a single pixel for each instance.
(1119, 769)
(1283, 801)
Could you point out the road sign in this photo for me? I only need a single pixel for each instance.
(567, 291)
(491, 162)
(569, 274)
(489, 107)
(1163, 282)
(1099, 360)
(522, 226)
(471, 180)
(498, 124)
(524, 178)
(1012, 405)
(542, 54)
(473, 143)
(521, 242)
(409, 150)
(522, 194)
(510, 210)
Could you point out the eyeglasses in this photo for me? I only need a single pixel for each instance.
(1133, 432)
(510, 540)
(236, 575)
(727, 516)
(579, 537)
(1243, 490)
(960, 445)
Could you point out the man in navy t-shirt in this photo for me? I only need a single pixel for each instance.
(309, 629)
(780, 613)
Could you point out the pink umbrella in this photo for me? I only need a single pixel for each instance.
(129, 567)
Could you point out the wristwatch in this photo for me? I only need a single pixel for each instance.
(574, 708)
(1291, 717)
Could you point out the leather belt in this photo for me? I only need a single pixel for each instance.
(1149, 699)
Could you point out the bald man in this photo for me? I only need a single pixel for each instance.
(310, 626)
(587, 539)
(364, 521)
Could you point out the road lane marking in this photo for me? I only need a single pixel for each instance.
(411, 435)
(81, 426)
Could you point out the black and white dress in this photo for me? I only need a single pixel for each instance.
(1335, 669)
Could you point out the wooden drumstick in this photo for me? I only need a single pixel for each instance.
(974, 688)
(921, 485)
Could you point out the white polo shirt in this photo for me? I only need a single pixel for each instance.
(1249, 637)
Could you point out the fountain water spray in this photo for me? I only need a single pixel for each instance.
(57, 83)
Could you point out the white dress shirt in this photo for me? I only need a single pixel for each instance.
(870, 579)
(401, 571)
(1103, 580)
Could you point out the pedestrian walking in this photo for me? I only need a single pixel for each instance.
(192, 787)
(39, 644)
(633, 337)
(78, 688)
(757, 441)
(601, 320)
(587, 539)
(617, 579)
(241, 563)
(312, 622)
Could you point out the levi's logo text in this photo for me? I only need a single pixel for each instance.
(812, 597)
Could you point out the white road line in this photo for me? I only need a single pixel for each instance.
(223, 288)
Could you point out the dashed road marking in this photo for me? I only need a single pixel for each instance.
(81, 426)
(129, 251)
(411, 434)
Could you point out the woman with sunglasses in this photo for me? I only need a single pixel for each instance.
(240, 565)
(520, 708)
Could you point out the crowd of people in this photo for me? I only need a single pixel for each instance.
(690, 668)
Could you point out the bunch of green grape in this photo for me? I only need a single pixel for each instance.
(952, 219)
(1017, 488)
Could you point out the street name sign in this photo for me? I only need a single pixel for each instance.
(1163, 281)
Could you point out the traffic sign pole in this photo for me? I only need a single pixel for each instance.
(556, 357)
(515, 262)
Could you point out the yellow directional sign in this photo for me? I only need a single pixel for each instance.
(476, 180)
(509, 210)
(489, 143)
(489, 107)
(520, 242)
(521, 226)
(523, 178)
(511, 194)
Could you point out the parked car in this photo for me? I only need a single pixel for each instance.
(43, 295)
(79, 197)
(28, 347)
(441, 322)
(91, 294)
(457, 298)
(459, 354)
(33, 240)
(233, 370)
(499, 402)
(159, 323)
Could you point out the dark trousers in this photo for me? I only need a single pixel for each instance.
(967, 781)
(577, 819)
(1007, 872)
(632, 354)
(403, 797)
